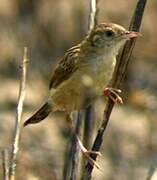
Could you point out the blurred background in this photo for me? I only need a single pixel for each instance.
(48, 28)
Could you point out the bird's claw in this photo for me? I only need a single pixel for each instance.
(93, 152)
(113, 94)
(87, 154)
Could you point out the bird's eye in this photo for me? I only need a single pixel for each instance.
(109, 33)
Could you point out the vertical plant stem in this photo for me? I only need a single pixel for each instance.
(5, 164)
(75, 148)
(89, 123)
(93, 20)
(89, 120)
(89, 111)
(118, 76)
(71, 162)
(88, 126)
(17, 129)
(67, 161)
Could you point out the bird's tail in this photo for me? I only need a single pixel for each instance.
(40, 115)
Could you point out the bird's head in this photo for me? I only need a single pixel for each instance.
(109, 37)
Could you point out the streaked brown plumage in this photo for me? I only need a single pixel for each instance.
(84, 71)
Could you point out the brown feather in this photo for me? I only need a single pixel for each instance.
(66, 67)
(40, 115)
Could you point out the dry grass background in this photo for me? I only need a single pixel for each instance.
(48, 28)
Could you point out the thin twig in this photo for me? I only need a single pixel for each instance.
(89, 120)
(89, 124)
(67, 161)
(71, 161)
(93, 20)
(5, 164)
(74, 151)
(17, 130)
(75, 148)
(119, 74)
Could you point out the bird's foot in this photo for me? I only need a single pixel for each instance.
(87, 154)
(113, 94)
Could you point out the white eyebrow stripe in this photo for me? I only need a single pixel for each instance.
(119, 27)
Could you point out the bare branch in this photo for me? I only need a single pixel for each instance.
(89, 123)
(5, 164)
(17, 130)
(67, 161)
(119, 74)
(93, 14)
(75, 148)
(89, 120)
(71, 162)
(87, 130)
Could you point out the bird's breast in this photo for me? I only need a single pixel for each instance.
(83, 86)
(100, 71)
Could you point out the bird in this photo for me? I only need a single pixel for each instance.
(84, 72)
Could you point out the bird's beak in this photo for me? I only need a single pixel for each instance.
(131, 34)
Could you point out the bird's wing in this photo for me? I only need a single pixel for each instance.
(65, 67)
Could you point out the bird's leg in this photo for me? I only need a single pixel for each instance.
(113, 94)
(85, 152)
(69, 122)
